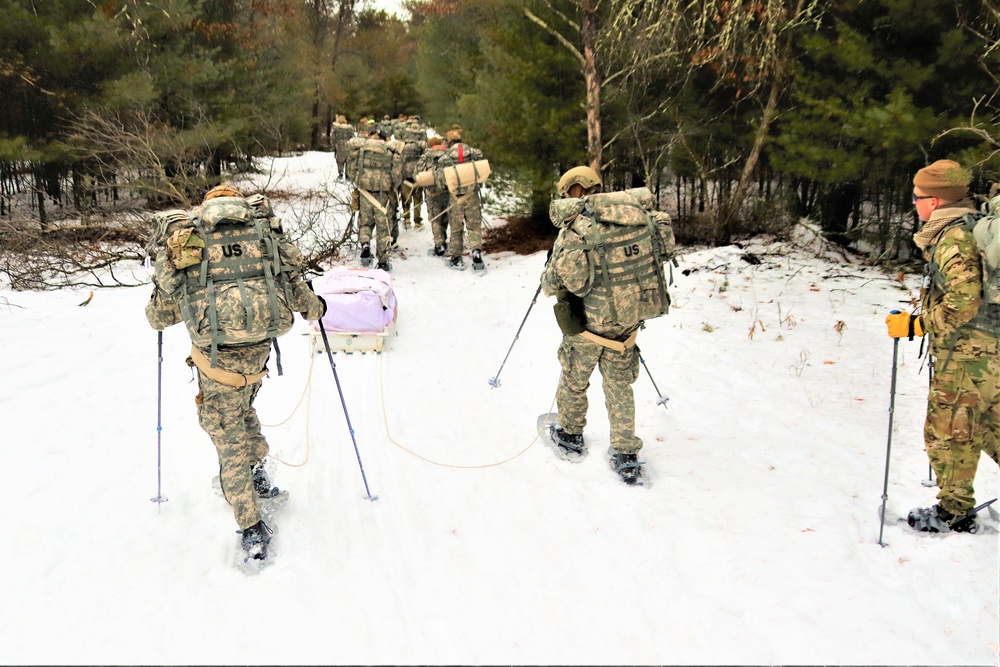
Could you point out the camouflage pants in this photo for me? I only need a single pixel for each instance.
(370, 217)
(436, 205)
(963, 419)
(466, 216)
(414, 201)
(619, 371)
(393, 207)
(228, 416)
(340, 153)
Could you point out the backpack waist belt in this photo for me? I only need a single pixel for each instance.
(617, 346)
(222, 376)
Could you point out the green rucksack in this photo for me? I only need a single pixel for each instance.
(985, 228)
(235, 282)
(627, 243)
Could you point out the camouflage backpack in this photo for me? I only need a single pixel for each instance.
(627, 243)
(415, 143)
(342, 132)
(371, 165)
(233, 268)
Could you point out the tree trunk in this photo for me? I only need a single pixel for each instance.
(730, 212)
(316, 130)
(592, 79)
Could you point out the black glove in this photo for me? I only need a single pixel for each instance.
(322, 301)
(548, 256)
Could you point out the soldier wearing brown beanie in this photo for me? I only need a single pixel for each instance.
(963, 407)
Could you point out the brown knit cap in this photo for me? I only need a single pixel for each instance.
(435, 141)
(453, 136)
(945, 179)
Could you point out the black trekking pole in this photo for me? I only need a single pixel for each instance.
(495, 380)
(159, 414)
(929, 482)
(888, 444)
(661, 399)
(329, 354)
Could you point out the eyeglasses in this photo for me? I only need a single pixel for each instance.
(915, 197)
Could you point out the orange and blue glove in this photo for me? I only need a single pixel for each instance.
(904, 325)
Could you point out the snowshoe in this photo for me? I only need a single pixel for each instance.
(478, 265)
(385, 266)
(255, 540)
(628, 467)
(437, 251)
(366, 255)
(456, 263)
(937, 519)
(567, 446)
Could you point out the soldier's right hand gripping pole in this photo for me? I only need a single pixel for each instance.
(329, 354)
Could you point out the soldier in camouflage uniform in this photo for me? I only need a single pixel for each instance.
(376, 170)
(399, 125)
(342, 132)
(591, 339)
(465, 208)
(963, 406)
(228, 387)
(412, 198)
(386, 125)
(437, 198)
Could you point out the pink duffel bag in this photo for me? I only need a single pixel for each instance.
(357, 300)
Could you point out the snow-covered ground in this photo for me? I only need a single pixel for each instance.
(757, 541)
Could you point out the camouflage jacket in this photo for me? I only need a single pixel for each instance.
(951, 293)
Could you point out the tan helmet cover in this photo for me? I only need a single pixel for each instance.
(584, 176)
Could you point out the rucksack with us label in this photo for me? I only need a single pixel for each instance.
(231, 272)
(627, 243)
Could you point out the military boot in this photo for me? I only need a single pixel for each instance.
(262, 482)
(255, 540)
(937, 519)
(477, 260)
(366, 255)
(628, 467)
(571, 442)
